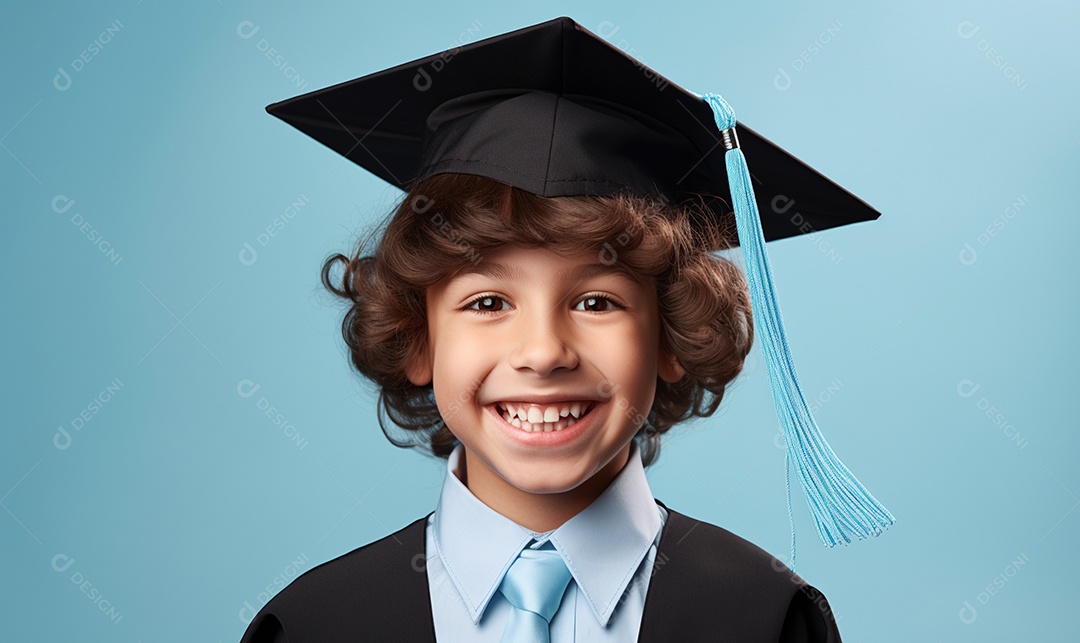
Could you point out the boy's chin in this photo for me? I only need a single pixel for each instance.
(548, 485)
(548, 479)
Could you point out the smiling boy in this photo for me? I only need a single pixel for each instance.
(543, 335)
(543, 306)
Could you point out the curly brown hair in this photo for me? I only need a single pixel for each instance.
(450, 220)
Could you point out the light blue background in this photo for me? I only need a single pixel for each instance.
(180, 501)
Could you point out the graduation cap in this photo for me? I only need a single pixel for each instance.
(555, 110)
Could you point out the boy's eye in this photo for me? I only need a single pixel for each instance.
(487, 304)
(595, 304)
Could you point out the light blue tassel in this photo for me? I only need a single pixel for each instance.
(842, 507)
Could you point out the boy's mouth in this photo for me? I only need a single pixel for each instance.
(544, 417)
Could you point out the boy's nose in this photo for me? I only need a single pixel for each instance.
(542, 348)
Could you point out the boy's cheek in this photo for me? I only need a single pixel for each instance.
(464, 350)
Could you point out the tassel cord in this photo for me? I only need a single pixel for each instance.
(841, 506)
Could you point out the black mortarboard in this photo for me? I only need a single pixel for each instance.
(555, 110)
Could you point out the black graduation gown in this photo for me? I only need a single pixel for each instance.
(707, 585)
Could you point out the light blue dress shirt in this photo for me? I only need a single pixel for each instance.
(609, 548)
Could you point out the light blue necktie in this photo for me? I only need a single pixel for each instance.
(534, 586)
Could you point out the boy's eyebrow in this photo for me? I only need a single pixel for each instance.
(580, 271)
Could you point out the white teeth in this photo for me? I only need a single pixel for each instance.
(533, 420)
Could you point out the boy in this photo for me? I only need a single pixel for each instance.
(542, 307)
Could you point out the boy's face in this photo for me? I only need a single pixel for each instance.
(526, 329)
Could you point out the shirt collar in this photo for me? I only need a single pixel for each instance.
(477, 544)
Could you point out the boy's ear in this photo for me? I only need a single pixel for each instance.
(419, 368)
(668, 367)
